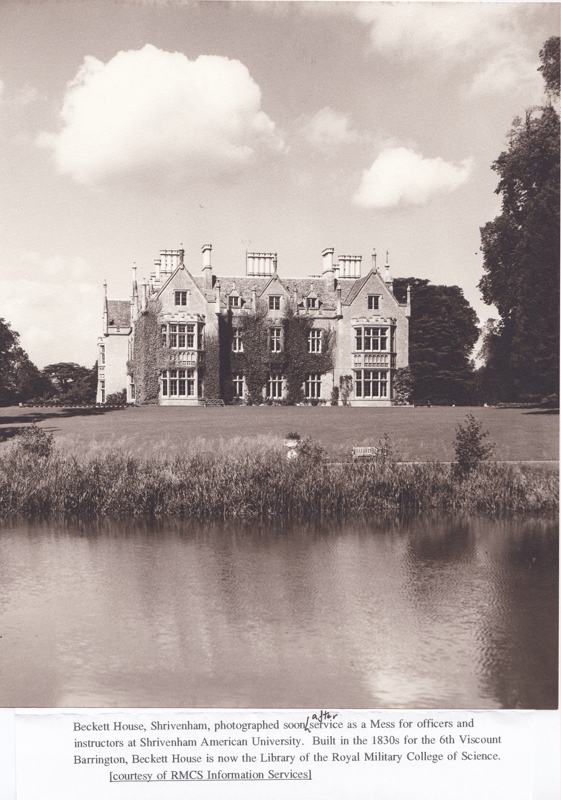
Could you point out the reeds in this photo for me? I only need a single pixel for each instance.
(246, 481)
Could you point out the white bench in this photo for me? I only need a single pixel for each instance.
(365, 452)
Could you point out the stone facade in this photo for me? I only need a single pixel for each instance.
(369, 337)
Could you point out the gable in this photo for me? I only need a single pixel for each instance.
(274, 286)
(372, 284)
(181, 281)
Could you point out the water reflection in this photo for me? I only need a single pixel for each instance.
(433, 613)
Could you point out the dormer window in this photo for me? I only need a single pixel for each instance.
(373, 302)
(234, 301)
(181, 298)
(274, 302)
(312, 303)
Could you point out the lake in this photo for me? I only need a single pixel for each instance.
(449, 613)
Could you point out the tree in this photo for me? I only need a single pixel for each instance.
(470, 446)
(20, 380)
(549, 67)
(73, 383)
(442, 333)
(8, 343)
(521, 248)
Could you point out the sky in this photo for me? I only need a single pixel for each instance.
(129, 127)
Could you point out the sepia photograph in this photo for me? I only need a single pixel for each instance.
(279, 355)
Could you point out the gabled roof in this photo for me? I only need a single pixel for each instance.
(119, 313)
(167, 282)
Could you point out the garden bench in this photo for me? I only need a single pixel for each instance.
(213, 403)
(364, 452)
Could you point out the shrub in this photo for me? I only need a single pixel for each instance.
(293, 435)
(470, 446)
(402, 386)
(346, 383)
(311, 453)
(335, 396)
(386, 453)
(116, 398)
(34, 441)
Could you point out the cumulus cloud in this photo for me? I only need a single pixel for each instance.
(55, 308)
(328, 129)
(507, 72)
(491, 37)
(400, 176)
(452, 30)
(150, 111)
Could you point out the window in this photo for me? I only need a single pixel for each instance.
(181, 336)
(181, 298)
(178, 337)
(275, 340)
(234, 301)
(371, 383)
(178, 383)
(238, 384)
(274, 387)
(102, 354)
(373, 302)
(274, 302)
(314, 341)
(102, 388)
(312, 302)
(312, 386)
(237, 342)
(368, 339)
(133, 391)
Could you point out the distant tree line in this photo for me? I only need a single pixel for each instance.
(21, 381)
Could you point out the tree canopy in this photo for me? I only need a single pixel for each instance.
(442, 333)
(20, 380)
(521, 252)
(73, 383)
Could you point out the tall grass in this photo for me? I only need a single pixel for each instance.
(244, 481)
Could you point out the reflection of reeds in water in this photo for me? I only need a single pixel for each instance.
(252, 479)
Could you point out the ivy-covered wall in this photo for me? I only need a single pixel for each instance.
(148, 357)
(298, 361)
(256, 361)
(294, 362)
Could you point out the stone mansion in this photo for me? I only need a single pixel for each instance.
(183, 338)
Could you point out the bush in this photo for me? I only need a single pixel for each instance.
(335, 396)
(346, 387)
(470, 446)
(116, 398)
(402, 386)
(34, 441)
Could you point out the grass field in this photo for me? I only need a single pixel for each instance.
(419, 434)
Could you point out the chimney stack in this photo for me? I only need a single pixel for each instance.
(388, 280)
(217, 298)
(207, 265)
(105, 309)
(328, 271)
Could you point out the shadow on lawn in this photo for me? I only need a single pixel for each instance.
(543, 411)
(11, 424)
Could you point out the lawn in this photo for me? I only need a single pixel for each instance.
(419, 434)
